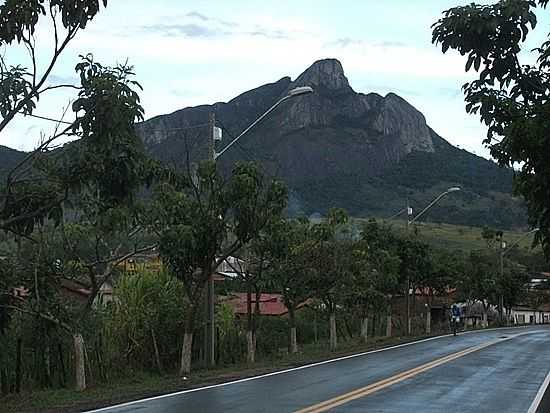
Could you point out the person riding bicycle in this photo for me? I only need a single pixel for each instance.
(455, 317)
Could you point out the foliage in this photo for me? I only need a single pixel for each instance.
(147, 305)
(511, 98)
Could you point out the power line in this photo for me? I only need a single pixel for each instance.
(46, 118)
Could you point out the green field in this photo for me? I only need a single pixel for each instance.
(460, 237)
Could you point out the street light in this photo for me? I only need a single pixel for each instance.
(431, 204)
(210, 350)
(503, 251)
(409, 222)
(299, 91)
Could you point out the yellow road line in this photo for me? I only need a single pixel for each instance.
(372, 388)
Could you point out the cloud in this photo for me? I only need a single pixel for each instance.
(187, 30)
(198, 15)
(391, 44)
(269, 34)
(62, 80)
(344, 42)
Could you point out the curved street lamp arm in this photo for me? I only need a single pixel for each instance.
(218, 154)
(428, 207)
(504, 251)
(397, 214)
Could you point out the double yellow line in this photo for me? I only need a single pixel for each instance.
(372, 388)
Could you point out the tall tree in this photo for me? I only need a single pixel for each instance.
(331, 261)
(512, 98)
(203, 220)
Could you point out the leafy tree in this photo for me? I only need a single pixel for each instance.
(291, 270)
(330, 259)
(373, 280)
(252, 269)
(479, 281)
(202, 221)
(511, 97)
(106, 165)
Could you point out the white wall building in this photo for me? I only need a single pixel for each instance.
(526, 315)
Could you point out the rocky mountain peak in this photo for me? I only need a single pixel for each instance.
(326, 73)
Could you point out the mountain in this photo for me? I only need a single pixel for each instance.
(339, 148)
(335, 147)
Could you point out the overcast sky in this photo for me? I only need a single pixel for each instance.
(188, 53)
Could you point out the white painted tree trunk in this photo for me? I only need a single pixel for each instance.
(250, 347)
(293, 341)
(429, 321)
(333, 333)
(365, 329)
(80, 367)
(484, 322)
(388, 326)
(185, 366)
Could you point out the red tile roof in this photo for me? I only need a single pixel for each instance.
(270, 304)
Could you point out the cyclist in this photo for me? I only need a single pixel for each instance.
(455, 317)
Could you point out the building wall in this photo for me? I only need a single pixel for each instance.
(520, 316)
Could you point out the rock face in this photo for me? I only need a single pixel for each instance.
(336, 147)
(384, 129)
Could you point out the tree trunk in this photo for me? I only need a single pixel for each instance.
(18, 366)
(484, 322)
(80, 365)
(156, 348)
(293, 340)
(365, 329)
(185, 366)
(388, 326)
(250, 347)
(62, 372)
(315, 334)
(47, 366)
(333, 333)
(250, 342)
(429, 321)
(4, 385)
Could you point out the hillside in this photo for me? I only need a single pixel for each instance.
(8, 159)
(339, 148)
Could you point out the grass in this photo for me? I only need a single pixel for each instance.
(461, 237)
(140, 385)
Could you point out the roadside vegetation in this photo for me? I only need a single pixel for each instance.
(77, 313)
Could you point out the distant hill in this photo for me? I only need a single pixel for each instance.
(9, 158)
(339, 148)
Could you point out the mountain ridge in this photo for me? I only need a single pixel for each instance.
(367, 153)
(337, 147)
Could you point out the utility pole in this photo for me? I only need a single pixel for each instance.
(409, 222)
(408, 298)
(210, 342)
(501, 298)
(213, 135)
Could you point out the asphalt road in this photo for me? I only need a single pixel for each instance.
(490, 371)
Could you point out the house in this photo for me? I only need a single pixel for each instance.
(524, 314)
(142, 262)
(527, 313)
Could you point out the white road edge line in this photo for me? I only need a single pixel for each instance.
(538, 398)
(275, 373)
